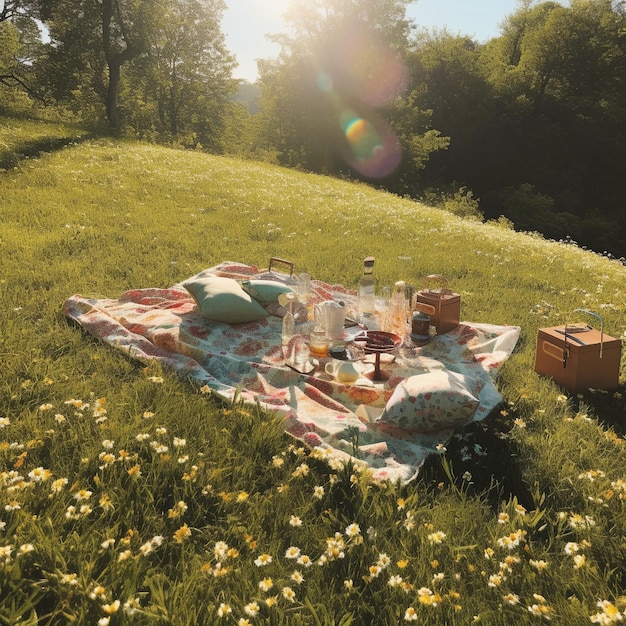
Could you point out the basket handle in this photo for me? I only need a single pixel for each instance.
(588, 312)
(438, 278)
(274, 260)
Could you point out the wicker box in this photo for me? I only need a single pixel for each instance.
(578, 357)
(443, 306)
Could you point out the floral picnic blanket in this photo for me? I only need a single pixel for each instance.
(246, 361)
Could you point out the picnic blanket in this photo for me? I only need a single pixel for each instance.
(245, 361)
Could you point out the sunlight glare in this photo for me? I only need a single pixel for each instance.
(358, 67)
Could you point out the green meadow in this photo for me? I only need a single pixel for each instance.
(129, 496)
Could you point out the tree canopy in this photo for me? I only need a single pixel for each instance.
(530, 125)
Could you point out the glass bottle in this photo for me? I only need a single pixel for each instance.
(289, 323)
(397, 313)
(367, 284)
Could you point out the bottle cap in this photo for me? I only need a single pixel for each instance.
(369, 261)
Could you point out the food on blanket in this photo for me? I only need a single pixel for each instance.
(434, 401)
(379, 341)
(222, 299)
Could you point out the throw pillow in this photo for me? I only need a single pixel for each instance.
(265, 291)
(222, 299)
(430, 402)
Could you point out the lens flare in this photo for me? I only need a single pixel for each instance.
(372, 147)
(368, 68)
(324, 82)
(359, 70)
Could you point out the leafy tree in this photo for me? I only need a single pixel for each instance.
(329, 99)
(20, 46)
(10, 9)
(126, 31)
(187, 72)
(176, 70)
(449, 81)
(9, 47)
(561, 79)
(535, 117)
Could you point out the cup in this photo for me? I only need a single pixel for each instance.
(318, 342)
(300, 353)
(342, 371)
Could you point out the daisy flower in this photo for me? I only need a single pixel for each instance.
(318, 492)
(252, 609)
(223, 610)
(292, 552)
(436, 537)
(289, 594)
(353, 530)
(410, 615)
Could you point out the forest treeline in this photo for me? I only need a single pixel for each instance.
(528, 127)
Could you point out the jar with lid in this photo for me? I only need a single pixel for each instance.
(420, 328)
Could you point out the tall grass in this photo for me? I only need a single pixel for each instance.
(131, 497)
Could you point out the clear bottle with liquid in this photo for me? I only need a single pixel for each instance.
(397, 313)
(367, 288)
(289, 323)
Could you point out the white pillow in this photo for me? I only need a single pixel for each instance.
(431, 402)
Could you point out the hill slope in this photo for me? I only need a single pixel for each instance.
(101, 217)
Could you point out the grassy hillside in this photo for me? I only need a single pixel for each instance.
(529, 503)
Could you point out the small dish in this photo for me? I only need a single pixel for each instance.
(306, 368)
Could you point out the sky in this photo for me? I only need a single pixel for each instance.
(247, 22)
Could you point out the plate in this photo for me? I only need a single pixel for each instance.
(305, 368)
(379, 340)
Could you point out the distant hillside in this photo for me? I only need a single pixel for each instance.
(249, 94)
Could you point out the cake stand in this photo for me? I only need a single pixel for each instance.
(379, 342)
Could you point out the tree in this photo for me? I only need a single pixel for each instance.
(20, 47)
(326, 98)
(154, 63)
(126, 32)
(187, 71)
(448, 80)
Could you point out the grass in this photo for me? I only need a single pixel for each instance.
(130, 497)
(23, 138)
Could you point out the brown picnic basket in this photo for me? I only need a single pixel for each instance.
(579, 357)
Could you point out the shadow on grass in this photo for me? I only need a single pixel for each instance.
(36, 147)
(609, 408)
(484, 461)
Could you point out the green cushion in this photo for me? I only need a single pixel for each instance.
(223, 300)
(265, 291)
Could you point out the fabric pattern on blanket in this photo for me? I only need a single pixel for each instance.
(245, 360)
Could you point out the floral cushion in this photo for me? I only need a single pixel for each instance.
(431, 402)
(265, 291)
(222, 299)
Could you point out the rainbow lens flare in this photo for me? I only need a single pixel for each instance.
(359, 70)
(373, 149)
